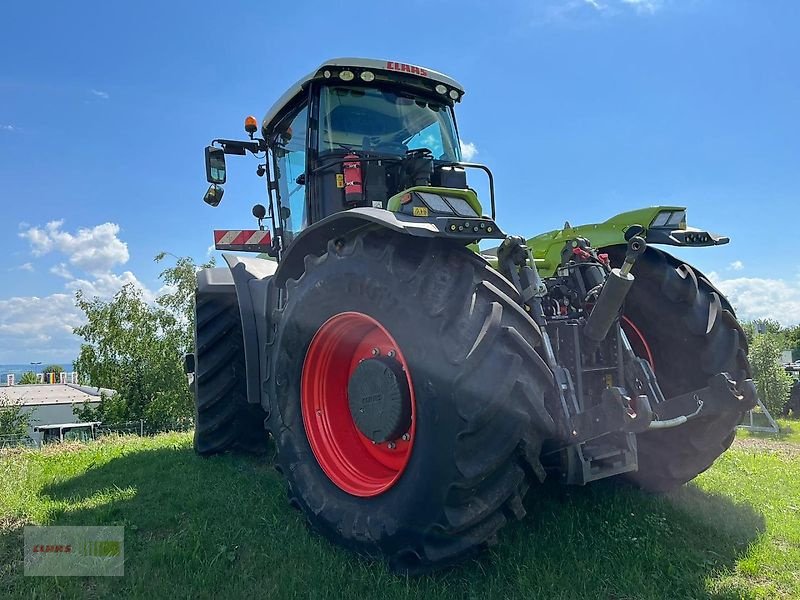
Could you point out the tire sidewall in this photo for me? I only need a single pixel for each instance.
(418, 496)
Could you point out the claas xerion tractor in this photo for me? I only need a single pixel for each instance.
(415, 387)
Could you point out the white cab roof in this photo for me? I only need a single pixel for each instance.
(359, 63)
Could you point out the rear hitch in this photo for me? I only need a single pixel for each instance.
(722, 395)
(616, 412)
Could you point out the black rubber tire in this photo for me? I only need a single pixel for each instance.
(479, 385)
(224, 420)
(793, 403)
(693, 334)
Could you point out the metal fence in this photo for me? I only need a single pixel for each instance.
(138, 428)
(141, 428)
(17, 441)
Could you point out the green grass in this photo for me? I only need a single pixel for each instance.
(221, 528)
(789, 431)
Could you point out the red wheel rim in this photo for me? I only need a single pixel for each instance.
(351, 460)
(638, 342)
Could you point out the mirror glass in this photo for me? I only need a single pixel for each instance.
(215, 165)
(214, 195)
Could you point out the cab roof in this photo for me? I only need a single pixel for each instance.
(386, 67)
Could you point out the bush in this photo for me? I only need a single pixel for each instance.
(28, 378)
(14, 419)
(772, 382)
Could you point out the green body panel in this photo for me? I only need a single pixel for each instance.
(547, 247)
(469, 196)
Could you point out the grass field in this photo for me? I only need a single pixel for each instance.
(789, 432)
(221, 528)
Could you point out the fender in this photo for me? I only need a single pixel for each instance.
(657, 224)
(251, 279)
(314, 239)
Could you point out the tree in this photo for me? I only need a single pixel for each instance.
(137, 348)
(772, 382)
(14, 419)
(761, 326)
(28, 378)
(793, 341)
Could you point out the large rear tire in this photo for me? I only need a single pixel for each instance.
(677, 320)
(224, 420)
(468, 353)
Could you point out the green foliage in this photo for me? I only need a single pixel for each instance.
(53, 369)
(137, 349)
(27, 378)
(793, 341)
(772, 382)
(759, 326)
(14, 419)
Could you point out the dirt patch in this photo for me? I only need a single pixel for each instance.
(785, 449)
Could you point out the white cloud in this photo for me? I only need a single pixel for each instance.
(95, 249)
(594, 4)
(736, 265)
(644, 6)
(26, 267)
(468, 151)
(38, 328)
(61, 270)
(762, 298)
(7, 127)
(101, 94)
(105, 285)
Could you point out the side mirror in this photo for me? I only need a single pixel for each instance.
(215, 165)
(214, 195)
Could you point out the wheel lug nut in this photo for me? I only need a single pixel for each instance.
(391, 445)
(390, 354)
(406, 437)
(375, 352)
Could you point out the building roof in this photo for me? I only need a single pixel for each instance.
(367, 63)
(66, 425)
(43, 394)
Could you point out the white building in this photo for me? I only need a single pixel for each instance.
(51, 404)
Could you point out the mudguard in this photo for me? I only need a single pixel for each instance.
(251, 278)
(657, 224)
(313, 241)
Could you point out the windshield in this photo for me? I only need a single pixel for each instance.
(386, 122)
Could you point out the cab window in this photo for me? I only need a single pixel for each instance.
(289, 148)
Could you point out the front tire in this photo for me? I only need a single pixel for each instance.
(478, 390)
(676, 320)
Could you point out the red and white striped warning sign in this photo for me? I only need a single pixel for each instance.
(242, 240)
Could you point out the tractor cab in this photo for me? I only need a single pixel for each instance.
(355, 133)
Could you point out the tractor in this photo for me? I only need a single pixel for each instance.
(418, 369)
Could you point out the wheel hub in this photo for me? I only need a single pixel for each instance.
(355, 390)
(379, 399)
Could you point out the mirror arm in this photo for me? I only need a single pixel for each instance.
(239, 147)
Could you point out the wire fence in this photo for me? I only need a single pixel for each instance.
(142, 427)
(88, 431)
(17, 441)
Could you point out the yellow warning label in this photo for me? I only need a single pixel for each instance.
(339, 180)
(420, 211)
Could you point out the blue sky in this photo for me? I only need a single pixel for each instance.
(582, 108)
